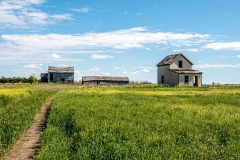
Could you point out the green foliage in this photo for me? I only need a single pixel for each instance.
(32, 79)
(143, 123)
(5, 100)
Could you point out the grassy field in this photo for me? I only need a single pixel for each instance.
(143, 122)
(18, 106)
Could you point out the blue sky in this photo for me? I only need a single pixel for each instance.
(120, 38)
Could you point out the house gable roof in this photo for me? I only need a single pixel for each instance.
(171, 58)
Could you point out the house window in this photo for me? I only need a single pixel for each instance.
(162, 79)
(179, 64)
(186, 79)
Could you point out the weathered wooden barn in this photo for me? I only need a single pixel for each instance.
(61, 74)
(104, 80)
(176, 70)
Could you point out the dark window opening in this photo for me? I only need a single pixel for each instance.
(162, 79)
(51, 77)
(179, 64)
(186, 79)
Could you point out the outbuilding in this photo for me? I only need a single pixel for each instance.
(58, 74)
(104, 80)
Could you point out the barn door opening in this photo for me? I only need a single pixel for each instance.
(162, 79)
(195, 80)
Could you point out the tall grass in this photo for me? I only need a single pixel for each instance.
(143, 123)
(16, 114)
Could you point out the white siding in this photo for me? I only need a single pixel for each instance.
(170, 77)
(190, 80)
(185, 63)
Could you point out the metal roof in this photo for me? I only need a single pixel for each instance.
(170, 59)
(52, 69)
(186, 71)
(104, 78)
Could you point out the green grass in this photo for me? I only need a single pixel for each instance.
(17, 113)
(111, 122)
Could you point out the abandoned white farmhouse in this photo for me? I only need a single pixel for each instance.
(176, 69)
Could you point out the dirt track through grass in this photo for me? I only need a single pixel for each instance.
(28, 144)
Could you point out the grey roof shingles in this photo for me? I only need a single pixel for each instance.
(52, 69)
(170, 59)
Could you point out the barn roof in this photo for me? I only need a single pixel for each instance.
(170, 59)
(52, 69)
(186, 71)
(104, 78)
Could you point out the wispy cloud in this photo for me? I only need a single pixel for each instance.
(95, 68)
(200, 66)
(97, 56)
(223, 46)
(105, 73)
(145, 70)
(188, 50)
(81, 10)
(113, 67)
(33, 66)
(24, 14)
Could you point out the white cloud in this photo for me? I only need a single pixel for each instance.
(95, 68)
(37, 47)
(116, 67)
(146, 67)
(125, 72)
(145, 70)
(188, 50)
(135, 73)
(62, 17)
(216, 66)
(97, 56)
(55, 56)
(223, 46)
(81, 10)
(104, 73)
(238, 56)
(33, 66)
(24, 14)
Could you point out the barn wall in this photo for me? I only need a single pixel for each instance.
(60, 77)
(185, 63)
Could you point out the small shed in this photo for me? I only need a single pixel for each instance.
(61, 74)
(104, 80)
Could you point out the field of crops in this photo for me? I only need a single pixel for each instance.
(143, 122)
(18, 106)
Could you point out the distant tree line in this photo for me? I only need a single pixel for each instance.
(30, 79)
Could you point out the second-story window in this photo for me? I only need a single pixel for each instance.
(179, 64)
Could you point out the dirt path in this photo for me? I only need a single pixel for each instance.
(30, 141)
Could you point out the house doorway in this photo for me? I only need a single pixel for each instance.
(195, 80)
